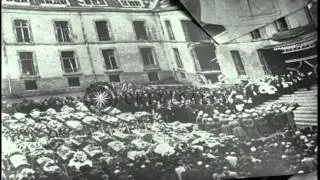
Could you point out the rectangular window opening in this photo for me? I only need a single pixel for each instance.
(73, 81)
(153, 76)
(30, 84)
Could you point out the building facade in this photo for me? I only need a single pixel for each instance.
(56, 46)
(60, 46)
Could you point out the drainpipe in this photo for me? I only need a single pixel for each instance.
(7, 66)
(88, 49)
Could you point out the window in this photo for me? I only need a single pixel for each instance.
(27, 66)
(281, 24)
(30, 84)
(153, 76)
(18, 1)
(96, 2)
(73, 81)
(62, 31)
(147, 56)
(255, 34)
(131, 3)
(22, 30)
(182, 75)
(238, 62)
(140, 29)
(53, 1)
(169, 30)
(177, 57)
(103, 30)
(69, 61)
(114, 78)
(109, 59)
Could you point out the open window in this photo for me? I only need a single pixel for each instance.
(140, 29)
(69, 62)
(109, 59)
(27, 64)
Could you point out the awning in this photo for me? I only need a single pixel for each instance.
(300, 43)
(302, 59)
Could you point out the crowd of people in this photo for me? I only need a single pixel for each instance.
(176, 133)
(122, 146)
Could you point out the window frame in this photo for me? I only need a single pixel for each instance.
(34, 62)
(74, 86)
(115, 54)
(276, 22)
(175, 57)
(123, 5)
(157, 73)
(148, 36)
(108, 24)
(241, 60)
(252, 33)
(76, 58)
(92, 4)
(114, 75)
(69, 29)
(155, 59)
(25, 86)
(29, 31)
(169, 30)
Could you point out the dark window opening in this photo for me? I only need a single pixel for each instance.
(103, 31)
(27, 66)
(109, 59)
(22, 30)
(182, 75)
(147, 56)
(281, 24)
(193, 32)
(62, 30)
(74, 81)
(140, 29)
(153, 76)
(114, 78)
(69, 61)
(255, 34)
(207, 58)
(238, 62)
(212, 78)
(178, 58)
(30, 84)
(169, 30)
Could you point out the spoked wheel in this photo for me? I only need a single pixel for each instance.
(100, 96)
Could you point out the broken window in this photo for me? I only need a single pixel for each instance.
(193, 32)
(109, 59)
(255, 34)
(281, 24)
(207, 58)
(177, 57)
(62, 31)
(238, 62)
(30, 84)
(73, 81)
(147, 56)
(140, 29)
(169, 30)
(69, 61)
(153, 76)
(27, 66)
(22, 30)
(54, 1)
(114, 78)
(103, 30)
(131, 3)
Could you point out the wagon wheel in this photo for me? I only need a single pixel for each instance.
(100, 96)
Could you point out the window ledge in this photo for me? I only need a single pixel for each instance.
(112, 71)
(73, 74)
(151, 68)
(26, 77)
